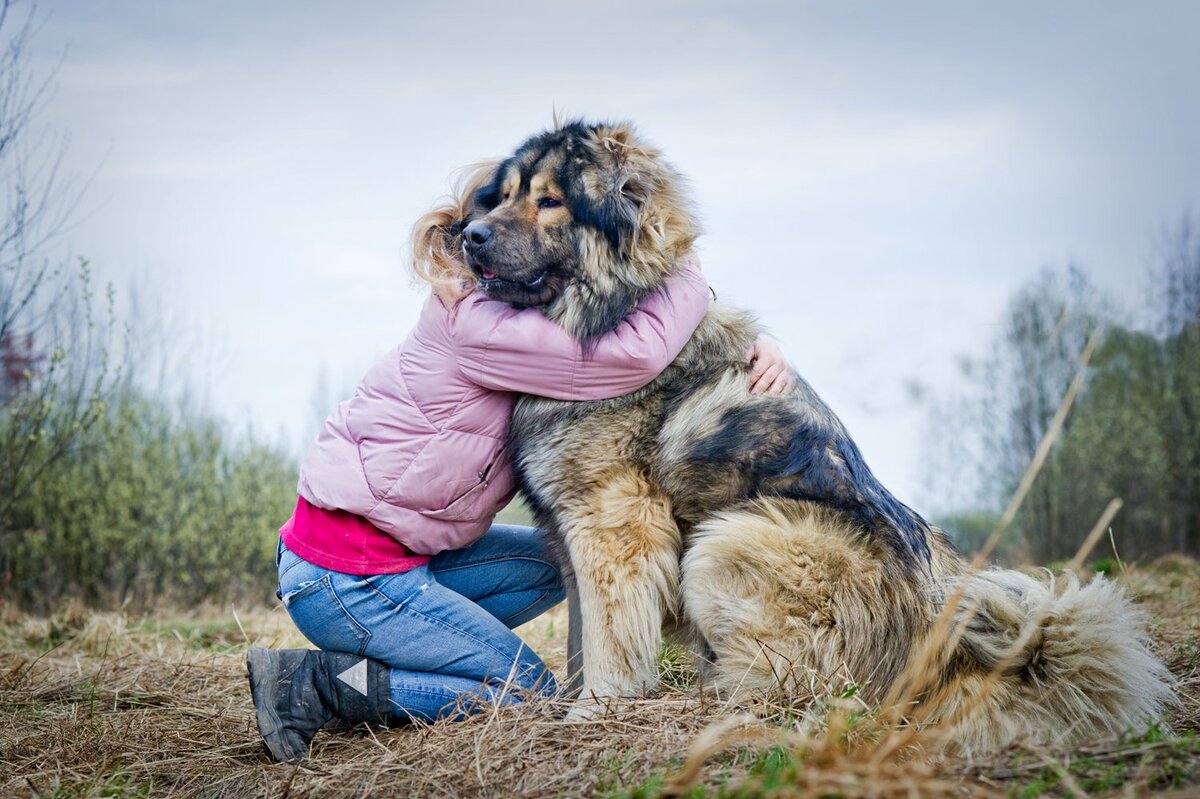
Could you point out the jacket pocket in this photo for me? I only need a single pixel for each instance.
(466, 506)
(455, 465)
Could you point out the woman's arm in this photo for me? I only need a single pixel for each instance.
(526, 352)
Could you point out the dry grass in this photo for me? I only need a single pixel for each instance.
(109, 705)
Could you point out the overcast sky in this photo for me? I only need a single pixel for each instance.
(875, 178)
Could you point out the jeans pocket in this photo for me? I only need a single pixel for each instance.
(318, 612)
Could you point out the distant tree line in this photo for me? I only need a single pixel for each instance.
(109, 492)
(1134, 432)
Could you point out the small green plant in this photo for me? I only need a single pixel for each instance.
(772, 766)
(1169, 761)
(675, 667)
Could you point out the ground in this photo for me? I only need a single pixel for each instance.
(116, 704)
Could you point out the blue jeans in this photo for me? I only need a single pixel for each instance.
(445, 629)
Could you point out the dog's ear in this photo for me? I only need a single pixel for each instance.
(645, 193)
(618, 188)
(627, 162)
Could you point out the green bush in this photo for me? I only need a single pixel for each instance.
(149, 505)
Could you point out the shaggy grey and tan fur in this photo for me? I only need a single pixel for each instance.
(751, 523)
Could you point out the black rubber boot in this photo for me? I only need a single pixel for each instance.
(298, 691)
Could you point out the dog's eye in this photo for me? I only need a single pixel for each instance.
(549, 202)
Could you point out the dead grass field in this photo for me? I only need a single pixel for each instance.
(114, 705)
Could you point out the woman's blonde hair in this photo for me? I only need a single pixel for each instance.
(437, 254)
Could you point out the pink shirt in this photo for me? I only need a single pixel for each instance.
(345, 542)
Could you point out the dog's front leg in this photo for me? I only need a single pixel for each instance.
(624, 550)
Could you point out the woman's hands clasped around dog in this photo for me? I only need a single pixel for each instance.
(770, 372)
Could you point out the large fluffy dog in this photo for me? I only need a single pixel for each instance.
(752, 522)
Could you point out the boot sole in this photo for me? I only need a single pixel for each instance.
(263, 675)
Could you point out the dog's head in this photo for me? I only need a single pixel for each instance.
(581, 221)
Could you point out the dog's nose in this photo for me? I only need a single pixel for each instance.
(478, 233)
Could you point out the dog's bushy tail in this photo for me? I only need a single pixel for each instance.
(784, 594)
(1045, 662)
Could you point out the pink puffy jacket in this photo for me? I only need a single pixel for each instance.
(419, 449)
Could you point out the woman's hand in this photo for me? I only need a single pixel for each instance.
(770, 373)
